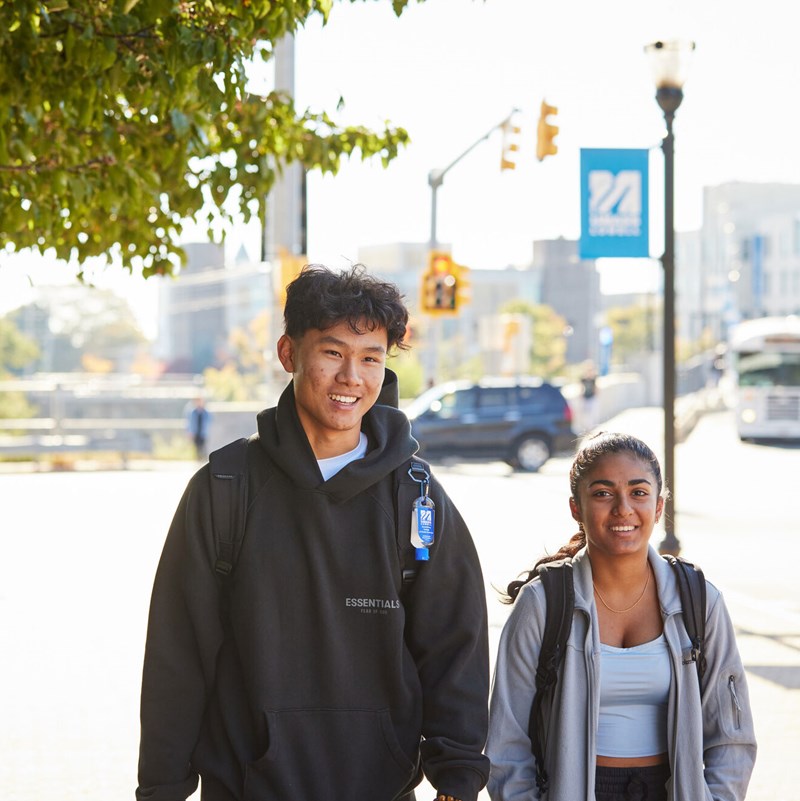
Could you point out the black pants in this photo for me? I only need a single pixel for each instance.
(631, 784)
(199, 447)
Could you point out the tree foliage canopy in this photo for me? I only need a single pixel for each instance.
(121, 118)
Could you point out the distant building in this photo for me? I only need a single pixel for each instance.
(750, 251)
(571, 286)
(402, 263)
(73, 323)
(695, 297)
(200, 307)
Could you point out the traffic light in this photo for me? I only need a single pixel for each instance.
(546, 132)
(440, 285)
(284, 270)
(510, 146)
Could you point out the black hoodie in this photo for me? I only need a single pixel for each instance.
(319, 683)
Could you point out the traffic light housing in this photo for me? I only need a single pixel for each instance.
(546, 133)
(284, 270)
(443, 285)
(510, 146)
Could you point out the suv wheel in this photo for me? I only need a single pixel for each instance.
(531, 453)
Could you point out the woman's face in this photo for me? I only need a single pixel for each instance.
(618, 504)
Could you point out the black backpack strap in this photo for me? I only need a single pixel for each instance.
(692, 589)
(557, 580)
(228, 478)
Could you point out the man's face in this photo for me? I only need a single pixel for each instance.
(338, 376)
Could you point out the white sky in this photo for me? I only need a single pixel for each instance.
(449, 70)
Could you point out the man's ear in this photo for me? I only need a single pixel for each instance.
(286, 353)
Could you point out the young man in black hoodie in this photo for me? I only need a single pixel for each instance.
(320, 677)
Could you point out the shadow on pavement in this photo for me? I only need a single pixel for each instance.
(787, 676)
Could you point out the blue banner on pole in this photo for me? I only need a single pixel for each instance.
(614, 209)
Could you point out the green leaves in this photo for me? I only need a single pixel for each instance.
(116, 125)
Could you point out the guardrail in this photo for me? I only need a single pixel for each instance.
(118, 415)
(36, 438)
(48, 436)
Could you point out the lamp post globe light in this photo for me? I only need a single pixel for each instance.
(670, 61)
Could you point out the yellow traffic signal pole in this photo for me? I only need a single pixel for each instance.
(435, 180)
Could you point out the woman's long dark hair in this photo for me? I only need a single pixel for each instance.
(591, 452)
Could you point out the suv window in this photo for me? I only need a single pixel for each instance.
(456, 403)
(539, 397)
(496, 397)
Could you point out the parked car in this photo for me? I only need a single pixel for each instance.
(521, 421)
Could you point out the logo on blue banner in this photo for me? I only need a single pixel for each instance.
(614, 211)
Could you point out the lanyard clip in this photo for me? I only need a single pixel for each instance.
(417, 468)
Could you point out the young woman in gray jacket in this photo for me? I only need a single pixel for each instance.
(628, 718)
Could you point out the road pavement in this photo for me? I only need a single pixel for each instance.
(80, 550)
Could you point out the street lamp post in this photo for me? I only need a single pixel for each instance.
(669, 61)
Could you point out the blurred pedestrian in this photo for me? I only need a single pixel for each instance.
(589, 397)
(628, 718)
(319, 677)
(198, 422)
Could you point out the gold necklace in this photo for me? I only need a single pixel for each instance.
(636, 602)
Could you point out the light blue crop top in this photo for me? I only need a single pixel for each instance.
(634, 688)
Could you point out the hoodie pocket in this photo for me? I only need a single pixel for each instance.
(732, 704)
(329, 753)
(736, 706)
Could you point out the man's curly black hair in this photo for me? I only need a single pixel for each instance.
(320, 298)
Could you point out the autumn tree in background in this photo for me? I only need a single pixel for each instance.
(548, 345)
(120, 119)
(80, 328)
(633, 331)
(16, 351)
(241, 377)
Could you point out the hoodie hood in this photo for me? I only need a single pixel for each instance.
(388, 431)
(390, 391)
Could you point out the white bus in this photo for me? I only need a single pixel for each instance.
(766, 366)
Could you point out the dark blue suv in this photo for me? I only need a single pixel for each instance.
(522, 421)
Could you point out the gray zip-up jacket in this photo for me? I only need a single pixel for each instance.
(712, 745)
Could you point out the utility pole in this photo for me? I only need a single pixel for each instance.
(285, 227)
